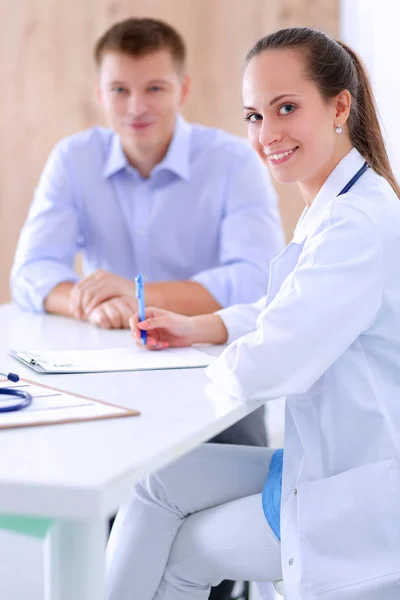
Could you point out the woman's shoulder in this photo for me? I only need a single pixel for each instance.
(370, 211)
(371, 199)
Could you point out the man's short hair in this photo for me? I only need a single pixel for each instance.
(138, 37)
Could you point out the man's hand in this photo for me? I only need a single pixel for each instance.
(93, 290)
(114, 313)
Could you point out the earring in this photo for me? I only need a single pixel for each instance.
(338, 128)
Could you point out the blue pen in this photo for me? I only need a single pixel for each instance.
(141, 306)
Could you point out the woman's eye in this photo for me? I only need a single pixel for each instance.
(118, 89)
(253, 118)
(286, 109)
(155, 88)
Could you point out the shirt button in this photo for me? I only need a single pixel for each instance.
(290, 562)
(295, 491)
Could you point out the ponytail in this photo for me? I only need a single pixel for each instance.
(364, 128)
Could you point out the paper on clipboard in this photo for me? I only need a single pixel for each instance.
(51, 406)
(133, 358)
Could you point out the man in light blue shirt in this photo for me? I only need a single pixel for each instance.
(190, 207)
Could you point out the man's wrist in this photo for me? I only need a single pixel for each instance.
(152, 294)
(131, 289)
(58, 300)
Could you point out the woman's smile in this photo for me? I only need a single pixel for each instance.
(278, 158)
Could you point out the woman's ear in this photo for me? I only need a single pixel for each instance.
(343, 105)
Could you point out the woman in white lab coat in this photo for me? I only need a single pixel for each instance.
(327, 336)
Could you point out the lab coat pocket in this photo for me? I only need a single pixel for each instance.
(349, 528)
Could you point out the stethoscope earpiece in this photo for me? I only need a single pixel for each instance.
(11, 376)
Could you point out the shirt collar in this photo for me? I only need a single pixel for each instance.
(116, 159)
(177, 158)
(337, 180)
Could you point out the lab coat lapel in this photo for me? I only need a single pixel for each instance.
(285, 262)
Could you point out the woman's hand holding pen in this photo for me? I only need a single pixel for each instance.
(166, 329)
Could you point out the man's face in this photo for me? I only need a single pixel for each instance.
(141, 98)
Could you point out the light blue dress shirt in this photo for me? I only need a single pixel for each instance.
(207, 213)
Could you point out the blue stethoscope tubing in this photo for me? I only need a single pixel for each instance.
(23, 399)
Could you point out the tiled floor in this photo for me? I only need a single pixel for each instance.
(21, 559)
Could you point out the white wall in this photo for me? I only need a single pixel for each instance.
(372, 28)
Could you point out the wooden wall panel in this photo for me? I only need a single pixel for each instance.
(48, 78)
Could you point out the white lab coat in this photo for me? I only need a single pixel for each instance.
(328, 338)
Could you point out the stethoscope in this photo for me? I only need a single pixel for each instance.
(22, 399)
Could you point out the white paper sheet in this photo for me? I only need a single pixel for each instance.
(116, 359)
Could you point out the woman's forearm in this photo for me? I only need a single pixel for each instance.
(209, 329)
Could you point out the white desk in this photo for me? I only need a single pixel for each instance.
(77, 475)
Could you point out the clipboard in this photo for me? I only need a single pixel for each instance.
(75, 408)
(114, 359)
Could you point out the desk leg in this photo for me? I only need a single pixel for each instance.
(74, 560)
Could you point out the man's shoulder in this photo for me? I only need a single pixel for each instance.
(90, 143)
(218, 142)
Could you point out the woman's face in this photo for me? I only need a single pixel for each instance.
(290, 125)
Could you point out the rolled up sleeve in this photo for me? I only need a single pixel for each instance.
(250, 236)
(49, 238)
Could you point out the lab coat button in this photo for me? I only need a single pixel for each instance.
(295, 491)
(290, 562)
